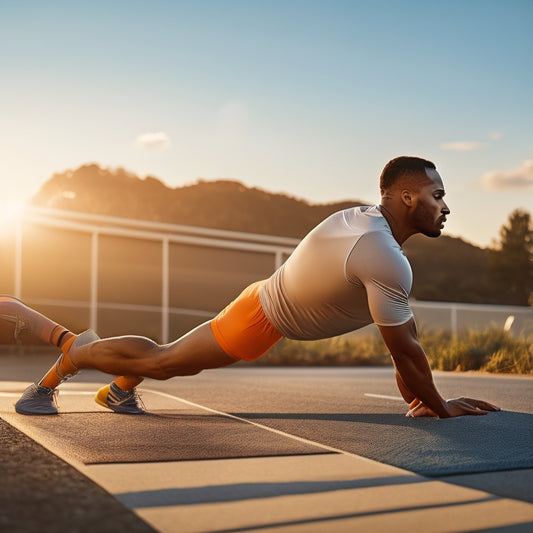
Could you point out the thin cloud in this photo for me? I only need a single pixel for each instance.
(462, 146)
(519, 178)
(153, 141)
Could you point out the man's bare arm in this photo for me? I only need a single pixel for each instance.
(407, 395)
(415, 379)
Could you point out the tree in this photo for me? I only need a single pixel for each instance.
(511, 262)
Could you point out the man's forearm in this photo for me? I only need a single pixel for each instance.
(407, 395)
(412, 366)
(415, 379)
(416, 374)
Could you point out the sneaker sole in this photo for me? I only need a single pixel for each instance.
(23, 412)
(35, 410)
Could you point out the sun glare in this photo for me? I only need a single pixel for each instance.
(10, 209)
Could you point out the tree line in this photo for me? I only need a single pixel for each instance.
(511, 261)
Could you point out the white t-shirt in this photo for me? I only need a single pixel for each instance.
(348, 272)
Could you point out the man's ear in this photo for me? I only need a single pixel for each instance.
(407, 197)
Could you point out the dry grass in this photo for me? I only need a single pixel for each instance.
(492, 350)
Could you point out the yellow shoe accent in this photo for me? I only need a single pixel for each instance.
(101, 397)
(119, 401)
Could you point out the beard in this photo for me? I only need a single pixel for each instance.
(425, 222)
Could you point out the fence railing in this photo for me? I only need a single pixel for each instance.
(109, 278)
(456, 317)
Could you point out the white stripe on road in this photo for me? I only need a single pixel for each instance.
(383, 396)
(63, 393)
(272, 430)
(76, 393)
(228, 415)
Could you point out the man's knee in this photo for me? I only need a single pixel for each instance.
(164, 367)
(169, 361)
(9, 305)
(163, 375)
(12, 314)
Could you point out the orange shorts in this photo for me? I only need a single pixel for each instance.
(242, 330)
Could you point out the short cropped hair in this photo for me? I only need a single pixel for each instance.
(400, 166)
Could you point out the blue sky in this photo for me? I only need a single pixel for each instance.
(306, 97)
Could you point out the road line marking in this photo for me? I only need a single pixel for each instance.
(228, 415)
(383, 396)
(63, 393)
(272, 430)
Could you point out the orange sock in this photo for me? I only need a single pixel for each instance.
(127, 382)
(59, 336)
(63, 367)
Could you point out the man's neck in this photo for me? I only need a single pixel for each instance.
(399, 231)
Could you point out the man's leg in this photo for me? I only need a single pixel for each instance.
(132, 356)
(138, 356)
(20, 324)
(241, 328)
(239, 331)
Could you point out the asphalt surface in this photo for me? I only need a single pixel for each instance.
(40, 492)
(291, 422)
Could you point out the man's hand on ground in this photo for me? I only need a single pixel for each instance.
(455, 407)
(420, 410)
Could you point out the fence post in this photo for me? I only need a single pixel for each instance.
(165, 291)
(18, 259)
(453, 322)
(93, 313)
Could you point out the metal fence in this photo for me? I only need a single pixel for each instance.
(121, 276)
(457, 317)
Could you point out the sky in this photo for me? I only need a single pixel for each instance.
(305, 97)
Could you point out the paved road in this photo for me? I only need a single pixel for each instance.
(252, 448)
(305, 388)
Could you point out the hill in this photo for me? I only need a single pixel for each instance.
(219, 204)
(445, 269)
(449, 269)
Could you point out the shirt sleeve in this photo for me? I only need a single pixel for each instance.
(377, 262)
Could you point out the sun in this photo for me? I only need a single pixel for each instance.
(10, 209)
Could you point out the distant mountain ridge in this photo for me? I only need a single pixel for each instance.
(220, 204)
(445, 269)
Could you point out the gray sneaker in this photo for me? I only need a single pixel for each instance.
(37, 400)
(123, 402)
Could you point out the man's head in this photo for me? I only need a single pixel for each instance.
(412, 190)
(404, 168)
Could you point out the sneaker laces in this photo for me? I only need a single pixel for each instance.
(135, 399)
(47, 391)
